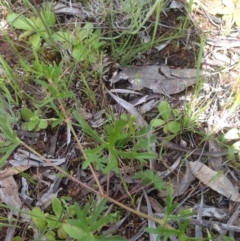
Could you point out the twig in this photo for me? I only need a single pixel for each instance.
(173, 146)
(230, 221)
(212, 224)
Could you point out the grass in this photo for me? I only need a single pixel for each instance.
(119, 141)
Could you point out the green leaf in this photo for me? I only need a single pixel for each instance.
(148, 177)
(8, 153)
(62, 36)
(176, 112)
(35, 40)
(228, 239)
(93, 155)
(85, 31)
(116, 132)
(49, 236)
(25, 34)
(48, 16)
(96, 212)
(165, 110)
(81, 216)
(52, 221)
(61, 233)
(174, 127)
(92, 58)
(74, 232)
(71, 210)
(165, 129)
(86, 128)
(57, 207)
(80, 53)
(157, 122)
(112, 164)
(170, 206)
(43, 124)
(38, 218)
(17, 238)
(111, 238)
(20, 22)
(32, 124)
(137, 155)
(26, 114)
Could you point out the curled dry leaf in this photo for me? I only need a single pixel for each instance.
(218, 183)
(210, 211)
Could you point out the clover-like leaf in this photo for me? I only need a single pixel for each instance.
(157, 122)
(43, 124)
(32, 124)
(174, 127)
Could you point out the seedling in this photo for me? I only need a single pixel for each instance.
(168, 119)
(70, 221)
(32, 120)
(117, 136)
(84, 43)
(35, 28)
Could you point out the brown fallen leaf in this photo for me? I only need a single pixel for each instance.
(9, 193)
(12, 171)
(182, 182)
(218, 183)
(215, 162)
(141, 77)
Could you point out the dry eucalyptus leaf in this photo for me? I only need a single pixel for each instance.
(9, 193)
(218, 183)
(141, 77)
(215, 162)
(151, 224)
(182, 182)
(130, 109)
(12, 171)
(211, 211)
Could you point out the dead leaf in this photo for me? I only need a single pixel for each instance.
(130, 109)
(151, 224)
(47, 197)
(182, 182)
(141, 77)
(9, 193)
(12, 171)
(25, 158)
(218, 183)
(215, 162)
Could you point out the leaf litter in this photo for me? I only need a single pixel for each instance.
(216, 181)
